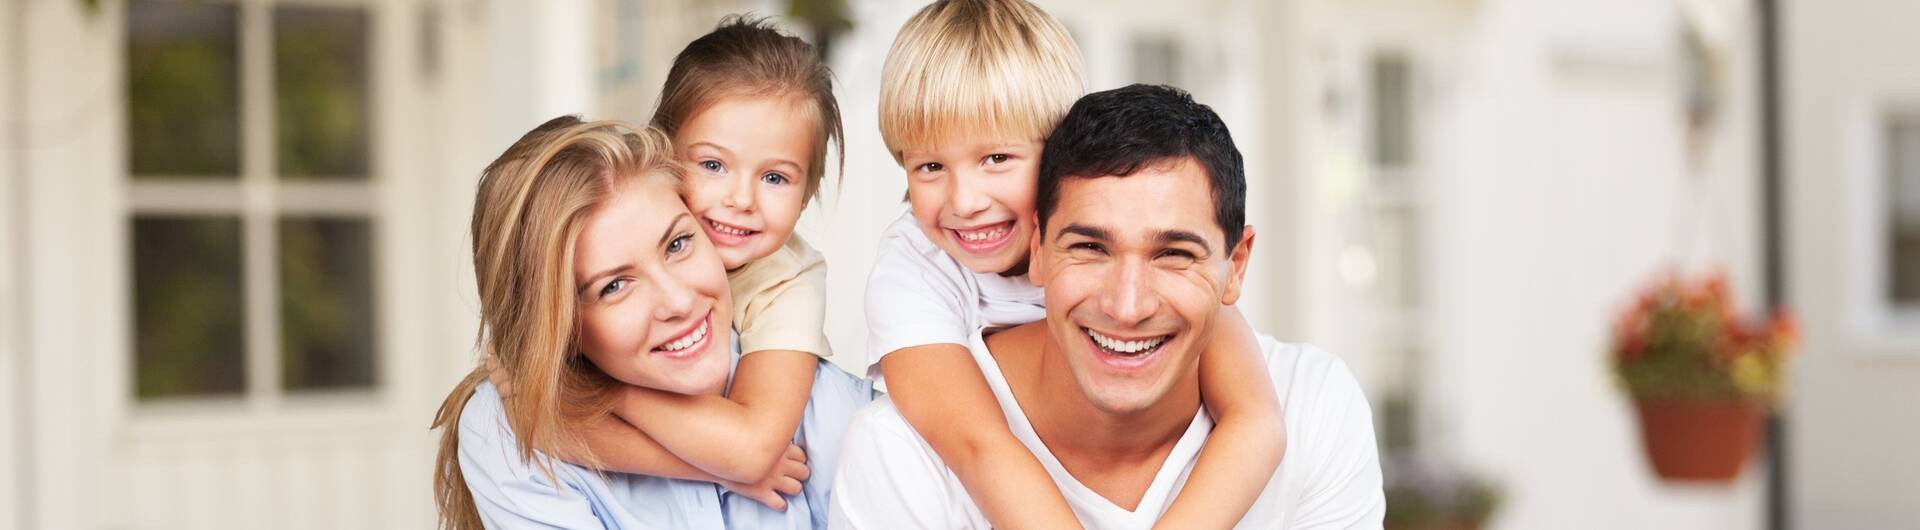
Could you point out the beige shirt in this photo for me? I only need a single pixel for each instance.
(780, 301)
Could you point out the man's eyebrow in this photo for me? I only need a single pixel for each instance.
(1092, 232)
(1175, 236)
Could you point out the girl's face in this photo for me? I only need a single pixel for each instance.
(747, 161)
(653, 302)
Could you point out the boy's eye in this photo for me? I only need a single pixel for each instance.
(774, 178)
(712, 165)
(613, 287)
(679, 244)
(998, 158)
(931, 167)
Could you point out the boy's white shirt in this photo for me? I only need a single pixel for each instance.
(917, 295)
(1329, 479)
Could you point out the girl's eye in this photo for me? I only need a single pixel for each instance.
(679, 244)
(712, 165)
(613, 287)
(774, 178)
(998, 158)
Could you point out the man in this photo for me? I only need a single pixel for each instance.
(1141, 243)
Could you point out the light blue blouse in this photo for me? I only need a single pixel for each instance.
(511, 493)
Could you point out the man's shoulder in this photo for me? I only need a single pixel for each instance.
(1297, 367)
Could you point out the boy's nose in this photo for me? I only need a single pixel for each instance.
(965, 198)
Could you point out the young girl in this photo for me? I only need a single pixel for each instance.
(594, 279)
(750, 112)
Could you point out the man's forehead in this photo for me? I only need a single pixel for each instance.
(1156, 199)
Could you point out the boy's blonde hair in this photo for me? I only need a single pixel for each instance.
(963, 68)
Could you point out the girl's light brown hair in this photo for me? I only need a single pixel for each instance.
(532, 204)
(747, 56)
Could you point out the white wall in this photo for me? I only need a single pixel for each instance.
(1853, 429)
(12, 347)
(1560, 173)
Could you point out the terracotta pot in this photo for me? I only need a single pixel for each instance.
(1699, 440)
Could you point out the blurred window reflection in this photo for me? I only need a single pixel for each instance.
(258, 280)
(1903, 163)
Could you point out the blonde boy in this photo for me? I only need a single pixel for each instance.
(968, 94)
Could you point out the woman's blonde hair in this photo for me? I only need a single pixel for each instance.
(532, 203)
(970, 67)
(746, 56)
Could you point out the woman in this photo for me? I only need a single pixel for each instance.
(592, 275)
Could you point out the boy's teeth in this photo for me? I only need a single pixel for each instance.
(1125, 346)
(687, 341)
(984, 235)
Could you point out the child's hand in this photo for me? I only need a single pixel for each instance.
(502, 381)
(784, 480)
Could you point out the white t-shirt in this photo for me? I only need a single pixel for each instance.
(1330, 477)
(918, 295)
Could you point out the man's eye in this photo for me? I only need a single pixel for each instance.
(774, 178)
(613, 287)
(679, 244)
(712, 165)
(1087, 247)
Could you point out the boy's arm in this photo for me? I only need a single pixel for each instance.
(739, 437)
(940, 391)
(1249, 436)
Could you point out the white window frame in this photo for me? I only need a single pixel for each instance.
(261, 198)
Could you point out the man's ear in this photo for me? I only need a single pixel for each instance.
(1237, 263)
(1036, 265)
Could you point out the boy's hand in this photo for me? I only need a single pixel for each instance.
(502, 381)
(784, 480)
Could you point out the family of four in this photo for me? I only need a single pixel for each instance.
(1052, 321)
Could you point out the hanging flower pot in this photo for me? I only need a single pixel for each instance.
(1699, 440)
(1702, 378)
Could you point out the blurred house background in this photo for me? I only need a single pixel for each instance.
(235, 281)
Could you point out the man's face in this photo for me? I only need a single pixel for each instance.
(1135, 269)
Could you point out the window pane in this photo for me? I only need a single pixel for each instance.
(183, 86)
(1903, 148)
(320, 88)
(326, 303)
(1392, 111)
(188, 338)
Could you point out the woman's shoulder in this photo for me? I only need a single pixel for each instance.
(483, 420)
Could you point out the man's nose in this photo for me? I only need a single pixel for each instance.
(1129, 298)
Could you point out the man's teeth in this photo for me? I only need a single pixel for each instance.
(729, 230)
(983, 235)
(687, 341)
(1125, 346)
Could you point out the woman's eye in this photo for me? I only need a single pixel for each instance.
(998, 158)
(774, 178)
(613, 287)
(679, 244)
(711, 165)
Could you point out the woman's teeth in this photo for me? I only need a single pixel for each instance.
(983, 235)
(1127, 347)
(729, 229)
(689, 340)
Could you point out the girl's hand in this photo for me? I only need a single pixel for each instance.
(502, 381)
(784, 480)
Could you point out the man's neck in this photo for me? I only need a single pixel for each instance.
(1116, 455)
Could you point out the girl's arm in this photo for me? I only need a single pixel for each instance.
(740, 437)
(940, 391)
(1249, 436)
(619, 446)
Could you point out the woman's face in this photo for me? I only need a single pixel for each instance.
(654, 306)
(747, 172)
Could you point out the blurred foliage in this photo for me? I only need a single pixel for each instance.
(187, 307)
(183, 90)
(326, 301)
(320, 89)
(1421, 494)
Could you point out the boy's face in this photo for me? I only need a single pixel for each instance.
(974, 198)
(746, 181)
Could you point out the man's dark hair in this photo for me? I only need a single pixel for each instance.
(1114, 133)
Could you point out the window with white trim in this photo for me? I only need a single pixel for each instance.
(250, 151)
(1903, 222)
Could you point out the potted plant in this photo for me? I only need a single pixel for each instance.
(1702, 376)
(1423, 495)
